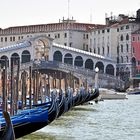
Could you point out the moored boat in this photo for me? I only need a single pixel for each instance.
(8, 133)
(135, 91)
(26, 122)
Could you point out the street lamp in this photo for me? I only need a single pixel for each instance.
(96, 77)
(96, 69)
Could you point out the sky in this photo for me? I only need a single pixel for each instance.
(32, 12)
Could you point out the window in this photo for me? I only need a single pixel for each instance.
(58, 35)
(13, 38)
(103, 39)
(86, 47)
(99, 32)
(117, 49)
(133, 50)
(133, 38)
(65, 44)
(117, 29)
(70, 44)
(10, 38)
(122, 28)
(103, 50)
(121, 48)
(127, 37)
(121, 59)
(127, 26)
(49, 35)
(98, 50)
(65, 35)
(127, 59)
(103, 31)
(108, 30)
(5, 39)
(121, 37)
(1, 39)
(87, 36)
(117, 59)
(83, 36)
(138, 38)
(127, 48)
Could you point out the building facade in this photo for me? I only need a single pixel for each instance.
(113, 40)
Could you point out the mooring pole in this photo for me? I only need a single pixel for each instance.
(17, 86)
(34, 91)
(3, 89)
(12, 89)
(6, 86)
(30, 87)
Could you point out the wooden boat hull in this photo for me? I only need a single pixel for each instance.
(134, 93)
(9, 131)
(94, 95)
(27, 122)
(61, 106)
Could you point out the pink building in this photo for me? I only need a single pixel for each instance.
(136, 49)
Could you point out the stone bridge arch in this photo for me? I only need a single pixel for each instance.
(68, 59)
(109, 69)
(89, 64)
(25, 56)
(57, 56)
(78, 61)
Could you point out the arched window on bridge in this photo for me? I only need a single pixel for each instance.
(100, 65)
(110, 69)
(78, 61)
(57, 56)
(3, 59)
(25, 56)
(68, 59)
(89, 64)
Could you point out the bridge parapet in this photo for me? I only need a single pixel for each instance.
(105, 80)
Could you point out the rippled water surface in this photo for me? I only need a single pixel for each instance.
(107, 120)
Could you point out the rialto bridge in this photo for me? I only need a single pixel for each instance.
(43, 49)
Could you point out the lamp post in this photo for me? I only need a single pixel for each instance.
(96, 77)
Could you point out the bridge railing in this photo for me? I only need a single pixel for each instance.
(70, 68)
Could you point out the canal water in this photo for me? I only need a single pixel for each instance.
(107, 120)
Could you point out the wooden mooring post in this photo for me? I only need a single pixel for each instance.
(12, 89)
(4, 86)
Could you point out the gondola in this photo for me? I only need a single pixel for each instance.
(51, 106)
(62, 100)
(8, 133)
(27, 121)
(68, 100)
(54, 110)
(93, 95)
(79, 98)
(83, 97)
